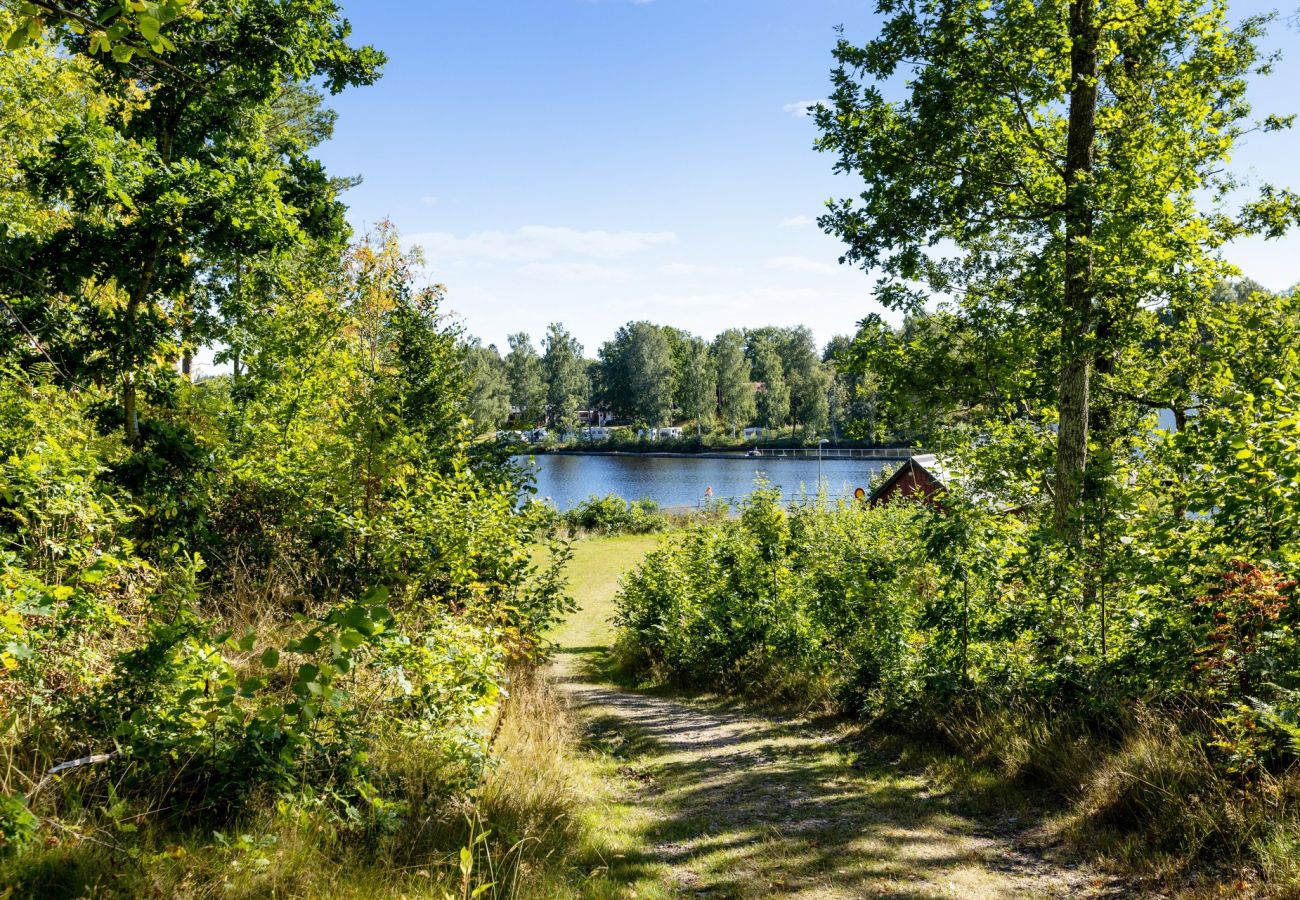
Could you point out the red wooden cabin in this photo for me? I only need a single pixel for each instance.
(920, 476)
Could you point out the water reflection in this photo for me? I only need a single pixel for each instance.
(683, 481)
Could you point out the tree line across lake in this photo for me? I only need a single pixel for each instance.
(655, 375)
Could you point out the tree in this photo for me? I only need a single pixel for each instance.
(122, 30)
(773, 399)
(527, 378)
(735, 384)
(566, 381)
(1056, 153)
(488, 400)
(804, 374)
(699, 384)
(940, 368)
(635, 373)
(159, 191)
(810, 398)
(649, 375)
(852, 399)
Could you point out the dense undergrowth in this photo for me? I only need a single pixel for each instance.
(280, 629)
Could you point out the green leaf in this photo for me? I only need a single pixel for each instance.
(270, 657)
(377, 594)
(148, 26)
(309, 644)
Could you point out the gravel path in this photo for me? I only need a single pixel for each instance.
(751, 805)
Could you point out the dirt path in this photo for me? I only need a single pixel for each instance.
(744, 804)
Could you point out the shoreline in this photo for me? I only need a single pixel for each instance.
(887, 454)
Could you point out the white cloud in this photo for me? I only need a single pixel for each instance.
(802, 108)
(429, 200)
(681, 268)
(801, 264)
(535, 243)
(577, 273)
(798, 222)
(742, 300)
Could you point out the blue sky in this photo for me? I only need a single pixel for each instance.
(599, 161)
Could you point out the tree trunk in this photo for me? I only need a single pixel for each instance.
(131, 424)
(130, 404)
(139, 294)
(187, 337)
(1077, 312)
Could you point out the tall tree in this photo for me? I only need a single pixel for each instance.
(699, 384)
(636, 372)
(649, 365)
(488, 400)
(853, 392)
(810, 398)
(527, 378)
(156, 191)
(735, 383)
(566, 377)
(1031, 143)
(773, 399)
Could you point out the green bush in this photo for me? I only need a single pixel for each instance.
(283, 578)
(612, 514)
(791, 601)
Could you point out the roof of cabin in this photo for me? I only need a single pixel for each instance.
(927, 463)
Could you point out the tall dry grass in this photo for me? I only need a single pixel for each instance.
(519, 834)
(1144, 796)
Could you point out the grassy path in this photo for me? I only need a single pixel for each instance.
(720, 800)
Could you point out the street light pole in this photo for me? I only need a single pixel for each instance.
(820, 444)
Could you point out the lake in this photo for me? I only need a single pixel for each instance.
(678, 481)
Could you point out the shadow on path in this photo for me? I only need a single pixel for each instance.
(755, 805)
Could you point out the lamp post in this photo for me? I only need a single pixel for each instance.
(820, 444)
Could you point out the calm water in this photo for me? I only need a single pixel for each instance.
(681, 481)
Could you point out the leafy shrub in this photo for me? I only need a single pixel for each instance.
(281, 581)
(807, 602)
(612, 514)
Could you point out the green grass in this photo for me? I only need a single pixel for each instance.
(597, 565)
